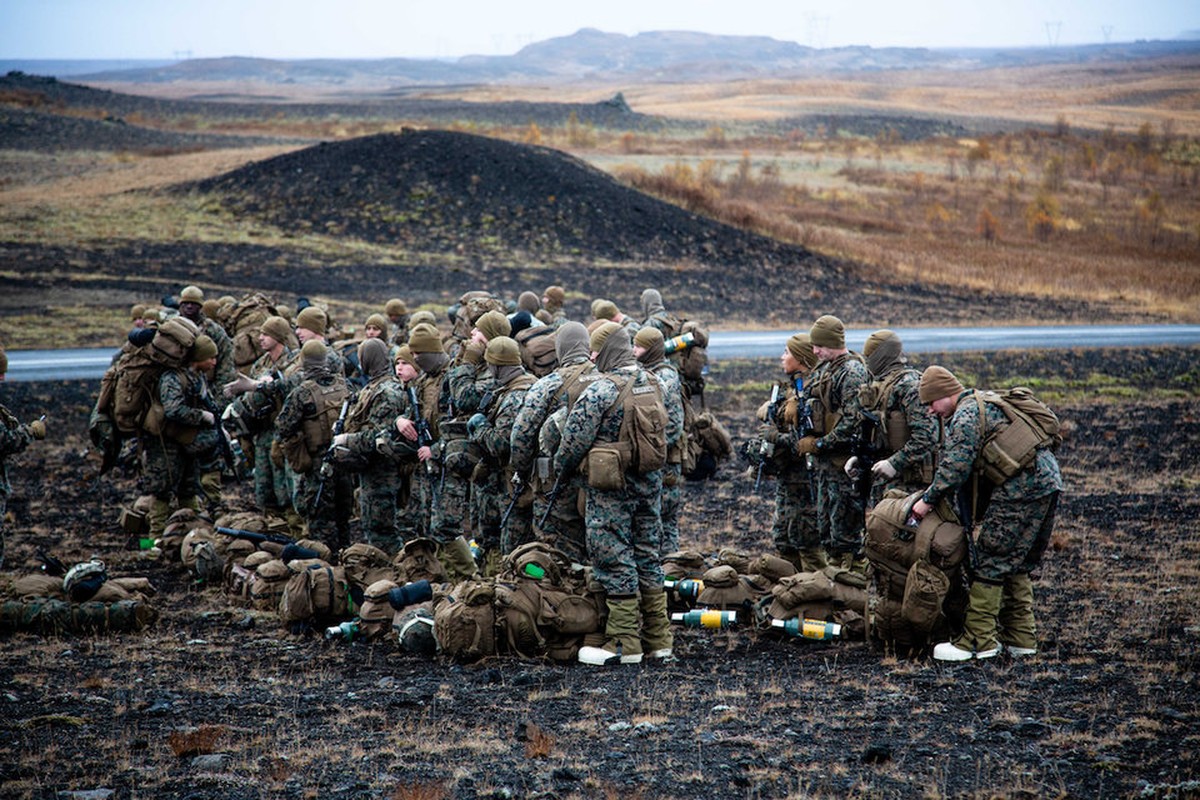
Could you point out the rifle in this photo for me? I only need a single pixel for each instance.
(552, 498)
(518, 484)
(767, 449)
(805, 421)
(863, 448)
(326, 470)
(257, 538)
(231, 462)
(424, 436)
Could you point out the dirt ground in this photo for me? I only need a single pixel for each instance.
(1109, 708)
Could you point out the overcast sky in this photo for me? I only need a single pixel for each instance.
(87, 29)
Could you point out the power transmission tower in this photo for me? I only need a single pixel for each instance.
(1052, 31)
(1107, 31)
(818, 30)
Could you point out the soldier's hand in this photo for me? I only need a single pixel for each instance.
(476, 422)
(806, 445)
(768, 433)
(241, 385)
(37, 429)
(473, 353)
(406, 428)
(920, 509)
(424, 453)
(851, 467)
(340, 440)
(208, 418)
(883, 470)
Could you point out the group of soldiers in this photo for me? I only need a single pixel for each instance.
(852, 427)
(450, 437)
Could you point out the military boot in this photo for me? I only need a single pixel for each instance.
(811, 560)
(457, 558)
(210, 486)
(1018, 632)
(157, 518)
(979, 628)
(657, 639)
(296, 525)
(623, 645)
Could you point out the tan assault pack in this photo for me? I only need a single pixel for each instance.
(1010, 448)
(316, 432)
(537, 349)
(641, 444)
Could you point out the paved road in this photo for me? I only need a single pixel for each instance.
(40, 365)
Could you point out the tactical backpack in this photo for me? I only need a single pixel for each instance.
(464, 620)
(130, 386)
(316, 431)
(643, 425)
(418, 561)
(1009, 448)
(538, 352)
(265, 586)
(708, 443)
(315, 592)
(242, 322)
(366, 564)
(693, 360)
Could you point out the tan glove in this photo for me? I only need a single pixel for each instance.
(473, 353)
(806, 445)
(37, 429)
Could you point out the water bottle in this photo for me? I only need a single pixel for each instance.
(705, 618)
(476, 550)
(346, 631)
(815, 629)
(687, 589)
(681, 342)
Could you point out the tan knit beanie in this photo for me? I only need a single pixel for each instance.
(936, 383)
(277, 328)
(601, 333)
(424, 338)
(647, 337)
(493, 324)
(800, 346)
(502, 352)
(377, 321)
(314, 350)
(404, 353)
(395, 307)
(604, 309)
(423, 315)
(555, 294)
(828, 331)
(203, 349)
(312, 319)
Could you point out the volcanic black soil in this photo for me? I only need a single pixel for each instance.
(1108, 709)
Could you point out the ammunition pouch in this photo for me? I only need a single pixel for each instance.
(604, 467)
(460, 456)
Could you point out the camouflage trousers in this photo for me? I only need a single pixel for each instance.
(379, 490)
(1012, 536)
(794, 525)
(624, 535)
(271, 488)
(487, 506)
(840, 518)
(565, 528)
(672, 502)
(329, 520)
(169, 471)
(449, 516)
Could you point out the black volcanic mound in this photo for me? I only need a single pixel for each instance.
(42, 132)
(441, 191)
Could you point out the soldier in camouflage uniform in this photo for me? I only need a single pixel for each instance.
(903, 434)
(1015, 520)
(191, 307)
(414, 459)
(14, 438)
(608, 310)
(648, 350)
(271, 489)
(397, 315)
(443, 492)
(491, 429)
(532, 452)
(834, 391)
(552, 304)
(175, 458)
(624, 530)
(657, 316)
(303, 431)
(794, 526)
(469, 381)
(383, 486)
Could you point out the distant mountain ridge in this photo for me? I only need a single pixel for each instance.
(655, 55)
